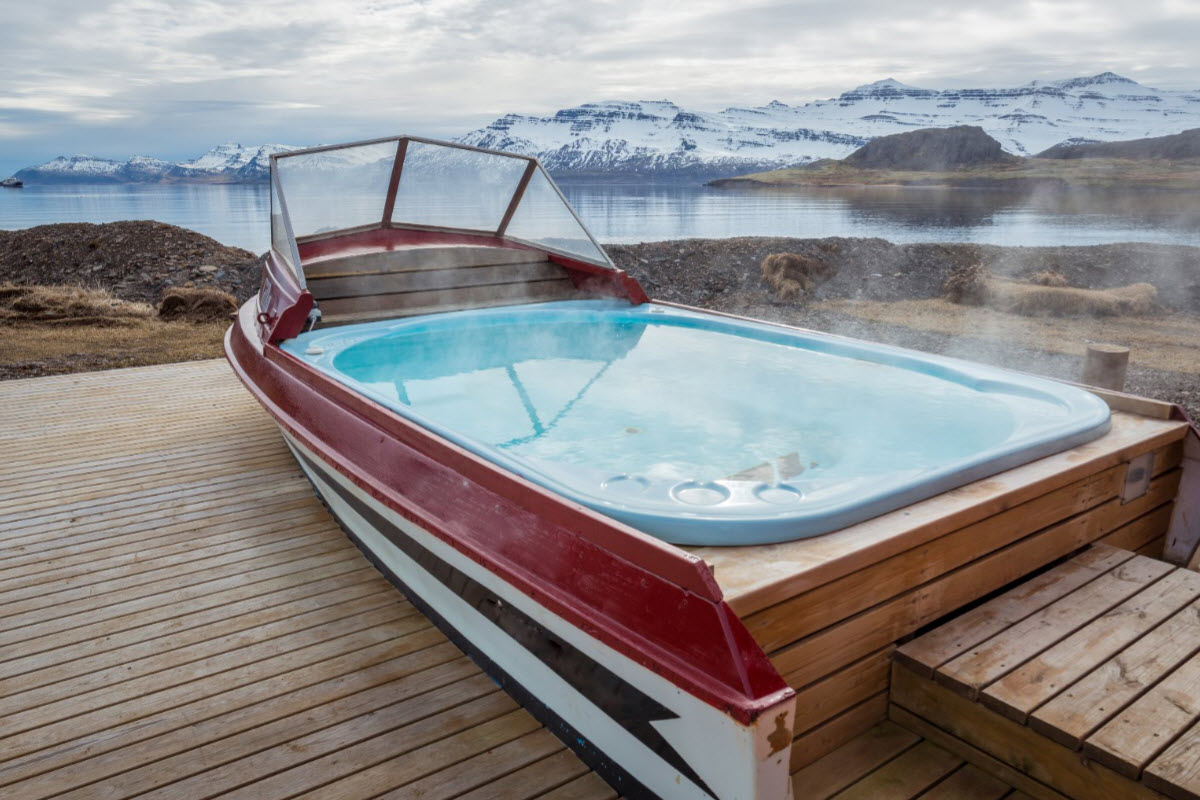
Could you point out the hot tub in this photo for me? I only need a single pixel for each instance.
(701, 429)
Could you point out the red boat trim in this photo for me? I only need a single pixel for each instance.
(649, 601)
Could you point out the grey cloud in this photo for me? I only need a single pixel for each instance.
(171, 79)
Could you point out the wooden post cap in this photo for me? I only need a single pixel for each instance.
(1105, 365)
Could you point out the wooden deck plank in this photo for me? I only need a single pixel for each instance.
(551, 774)
(405, 719)
(484, 770)
(305, 701)
(180, 617)
(1132, 738)
(833, 733)
(28, 733)
(1030, 685)
(1007, 650)
(968, 783)
(1016, 745)
(376, 765)
(928, 652)
(1176, 772)
(588, 787)
(1083, 707)
(131, 646)
(907, 776)
(860, 756)
(973, 755)
(378, 605)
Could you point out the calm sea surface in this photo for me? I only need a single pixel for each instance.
(237, 215)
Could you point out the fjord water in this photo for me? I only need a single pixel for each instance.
(237, 214)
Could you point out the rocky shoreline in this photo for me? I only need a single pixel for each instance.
(139, 260)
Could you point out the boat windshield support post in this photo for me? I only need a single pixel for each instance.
(530, 168)
(389, 205)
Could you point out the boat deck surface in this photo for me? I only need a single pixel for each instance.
(180, 617)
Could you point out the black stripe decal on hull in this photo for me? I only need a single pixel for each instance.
(624, 703)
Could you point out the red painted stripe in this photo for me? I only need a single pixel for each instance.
(652, 602)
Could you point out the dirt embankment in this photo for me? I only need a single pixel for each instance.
(136, 260)
(726, 272)
(873, 289)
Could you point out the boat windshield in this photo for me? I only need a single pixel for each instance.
(406, 182)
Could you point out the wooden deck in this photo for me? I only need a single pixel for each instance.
(1083, 682)
(180, 618)
(888, 762)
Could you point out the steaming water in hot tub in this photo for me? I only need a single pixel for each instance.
(700, 429)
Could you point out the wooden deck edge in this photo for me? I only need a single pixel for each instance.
(972, 755)
(1016, 746)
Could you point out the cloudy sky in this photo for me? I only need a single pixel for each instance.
(171, 79)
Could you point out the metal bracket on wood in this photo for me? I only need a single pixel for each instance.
(1137, 477)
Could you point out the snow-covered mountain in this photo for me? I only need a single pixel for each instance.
(661, 138)
(226, 163)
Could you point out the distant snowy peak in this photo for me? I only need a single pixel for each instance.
(1103, 79)
(658, 137)
(226, 163)
(620, 138)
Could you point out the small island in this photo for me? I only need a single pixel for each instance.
(967, 157)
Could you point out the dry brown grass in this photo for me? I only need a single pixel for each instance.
(197, 305)
(48, 330)
(1046, 294)
(33, 348)
(74, 305)
(967, 285)
(1167, 342)
(1048, 277)
(791, 276)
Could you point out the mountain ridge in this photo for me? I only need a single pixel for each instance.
(660, 140)
(226, 163)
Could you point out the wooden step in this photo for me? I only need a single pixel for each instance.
(1084, 680)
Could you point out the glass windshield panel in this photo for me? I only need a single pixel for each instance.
(332, 190)
(453, 188)
(544, 218)
(279, 238)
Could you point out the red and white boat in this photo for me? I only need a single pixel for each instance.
(441, 341)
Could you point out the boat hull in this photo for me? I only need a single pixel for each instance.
(615, 644)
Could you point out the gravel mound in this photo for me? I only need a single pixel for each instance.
(726, 273)
(135, 260)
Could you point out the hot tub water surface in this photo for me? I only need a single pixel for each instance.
(701, 429)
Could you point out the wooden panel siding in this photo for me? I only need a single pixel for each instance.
(850, 605)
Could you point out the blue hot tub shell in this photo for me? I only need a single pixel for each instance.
(702, 429)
